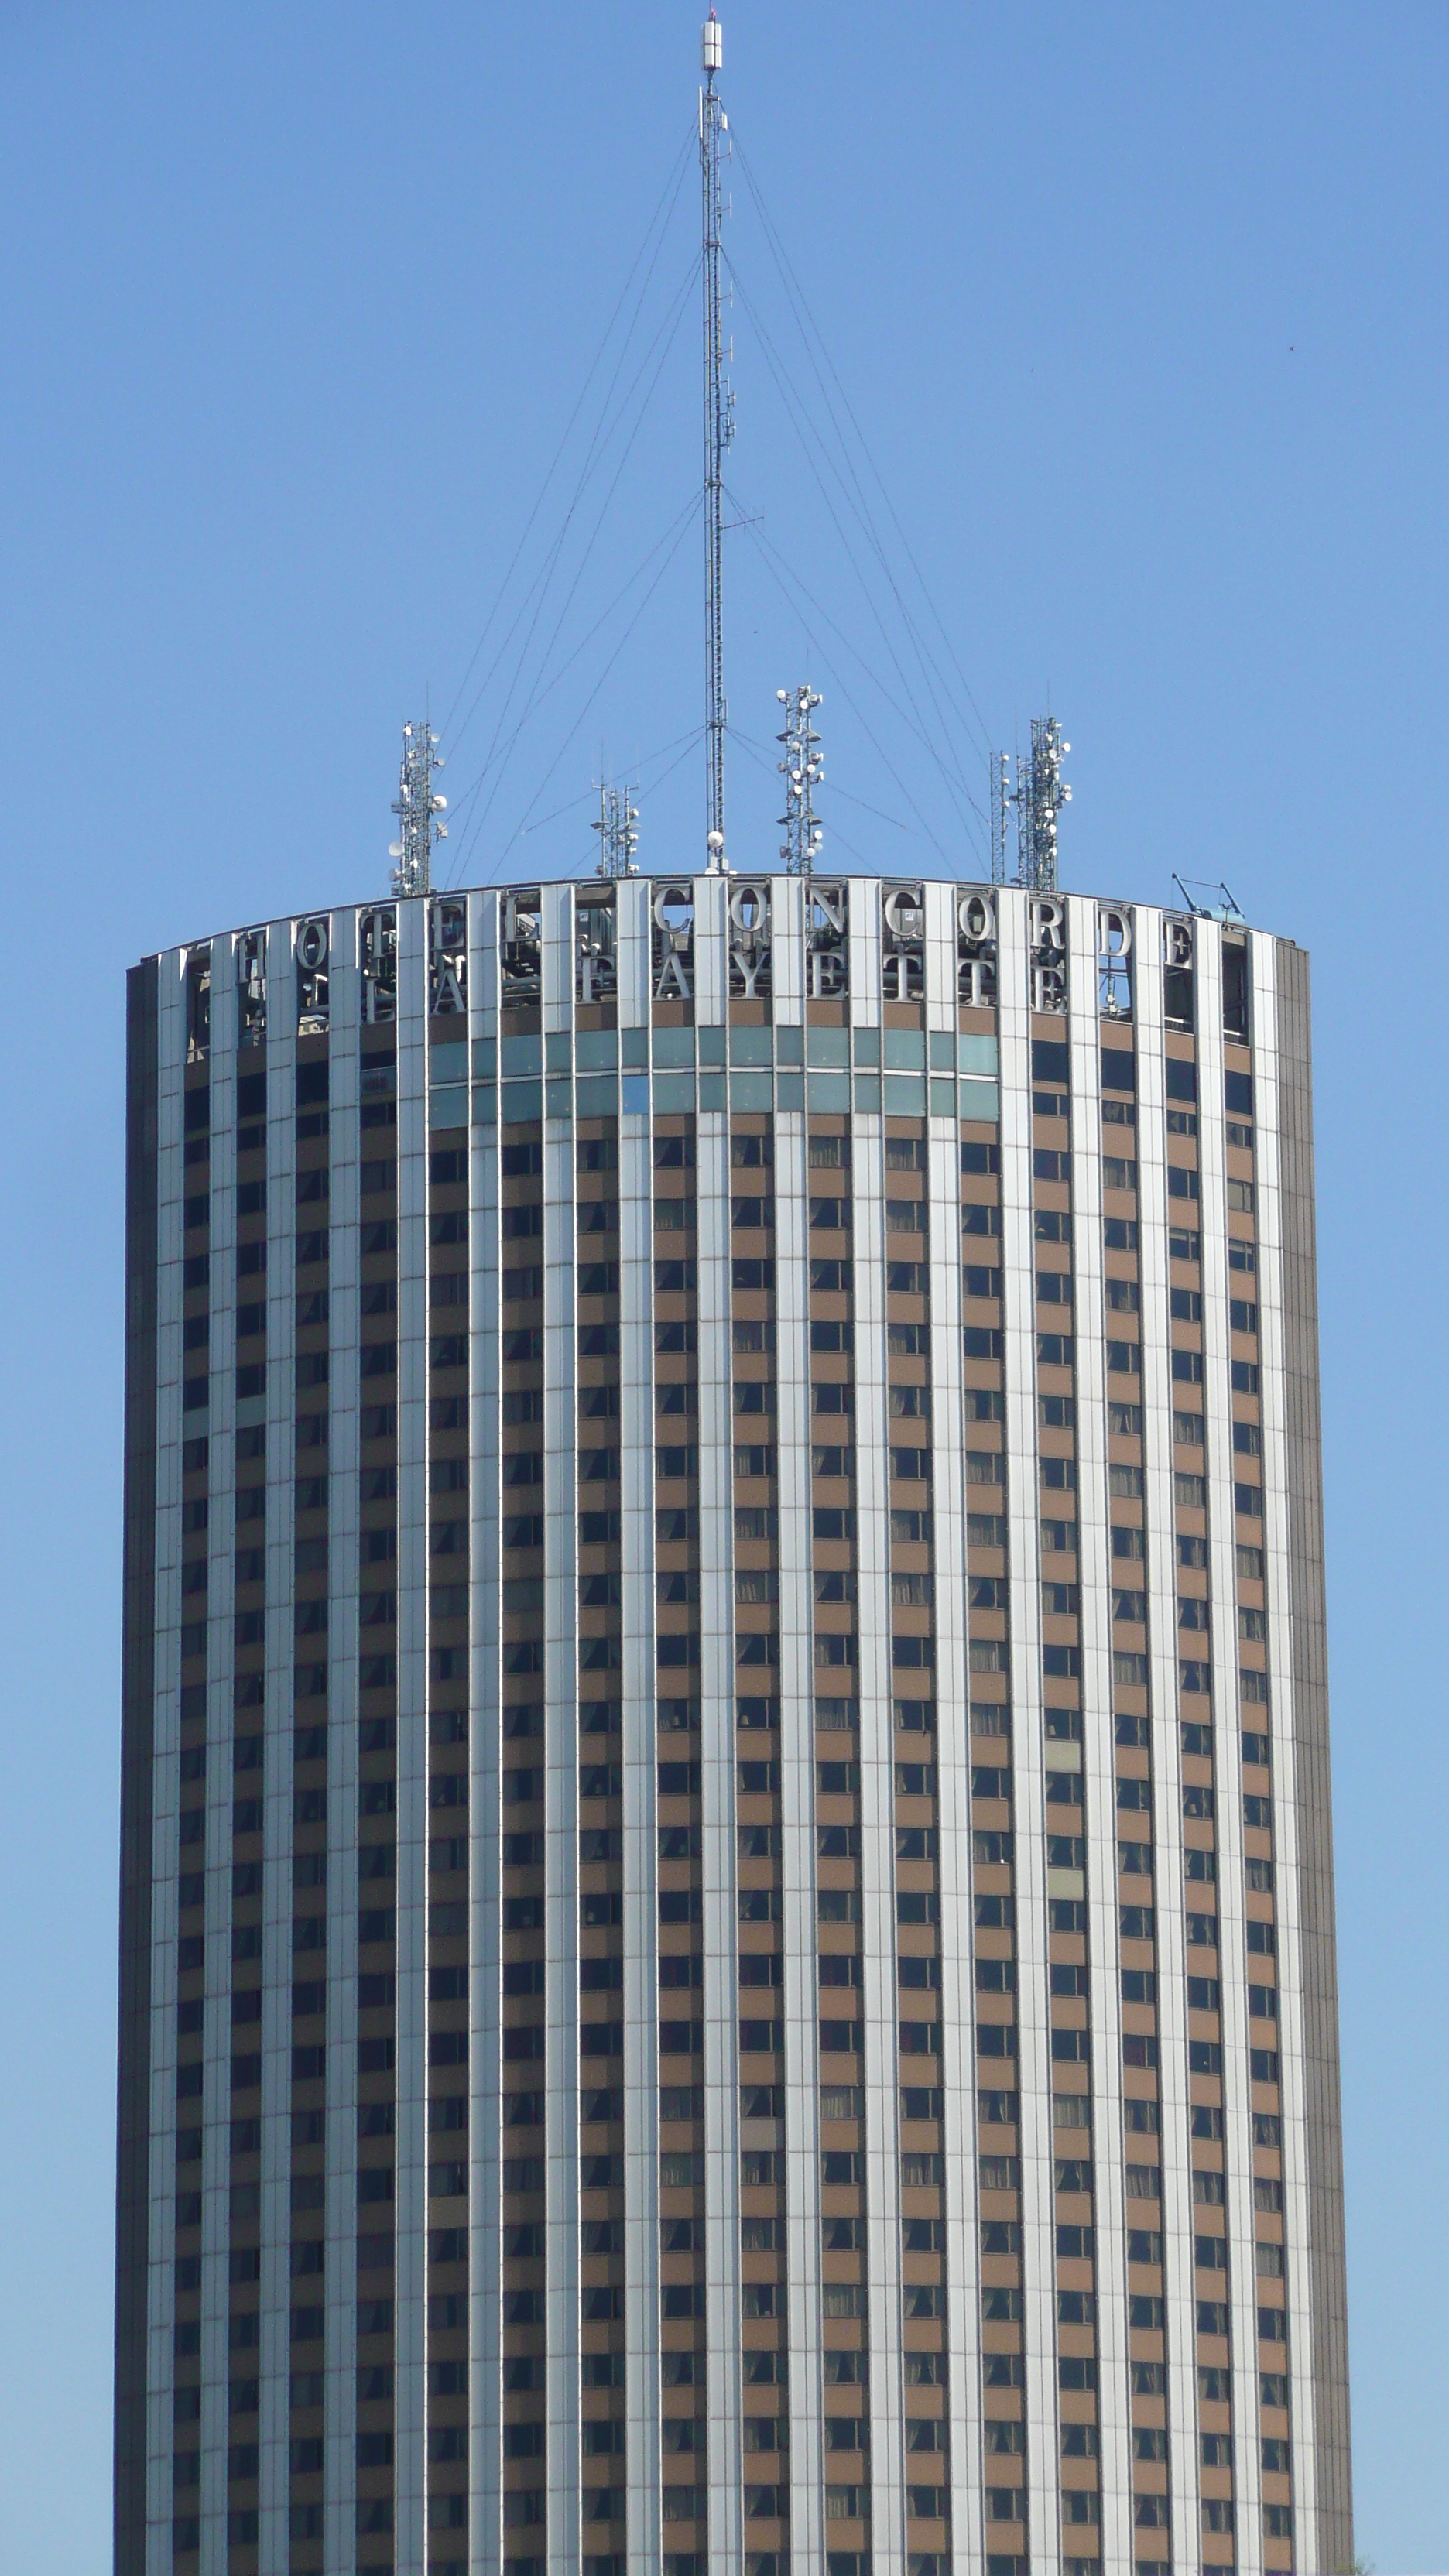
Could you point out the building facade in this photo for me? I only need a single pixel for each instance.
(727, 1926)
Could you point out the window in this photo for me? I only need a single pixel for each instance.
(903, 1154)
(833, 1214)
(1118, 1173)
(829, 1153)
(823, 1337)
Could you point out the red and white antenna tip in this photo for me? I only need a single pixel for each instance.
(711, 44)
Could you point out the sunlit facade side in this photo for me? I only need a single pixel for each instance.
(727, 1934)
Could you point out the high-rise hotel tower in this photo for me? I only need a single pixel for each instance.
(728, 1955)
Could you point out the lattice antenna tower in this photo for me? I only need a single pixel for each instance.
(618, 835)
(719, 414)
(1000, 800)
(802, 770)
(417, 808)
(1041, 792)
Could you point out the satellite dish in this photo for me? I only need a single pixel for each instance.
(440, 804)
(394, 849)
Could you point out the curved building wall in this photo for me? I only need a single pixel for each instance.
(727, 1913)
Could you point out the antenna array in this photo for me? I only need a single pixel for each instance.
(1039, 795)
(618, 836)
(802, 769)
(416, 807)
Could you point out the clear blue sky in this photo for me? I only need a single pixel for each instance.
(1141, 315)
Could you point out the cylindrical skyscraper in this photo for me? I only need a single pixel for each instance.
(728, 1956)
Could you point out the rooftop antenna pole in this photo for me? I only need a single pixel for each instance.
(802, 769)
(718, 431)
(618, 837)
(1040, 793)
(415, 806)
(1000, 799)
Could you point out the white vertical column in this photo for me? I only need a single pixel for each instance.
(1099, 1760)
(799, 1904)
(411, 2183)
(166, 1777)
(1029, 1808)
(276, 2223)
(720, 1873)
(1175, 2145)
(1281, 1715)
(485, 1979)
(953, 1772)
(880, 2003)
(339, 2512)
(561, 1759)
(220, 1729)
(641, 1777)
(1227, 1746)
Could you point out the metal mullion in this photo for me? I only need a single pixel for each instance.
(1302, 2354)
(720, 1871)
(880, 1995)
(220, 1734)
(485, 1694)
(959, 2129)
(799, 1932)
(1018, 1281)
(343, 1524)
(1099, 1759)
(561, 1757)
(277, 1767)
(411, 2045)
(641, 1842)
(1227, 1738)
(166, 1772)
(1174, 2090)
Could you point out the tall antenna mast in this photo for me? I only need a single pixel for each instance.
(618, 838)
(1000, 799)
(415, 807)
(718, 431)
(802, 769)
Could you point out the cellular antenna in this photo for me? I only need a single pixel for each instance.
(802, 769)
(719, 407)
(1039, 795)
(416, 808)
(618, 836)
